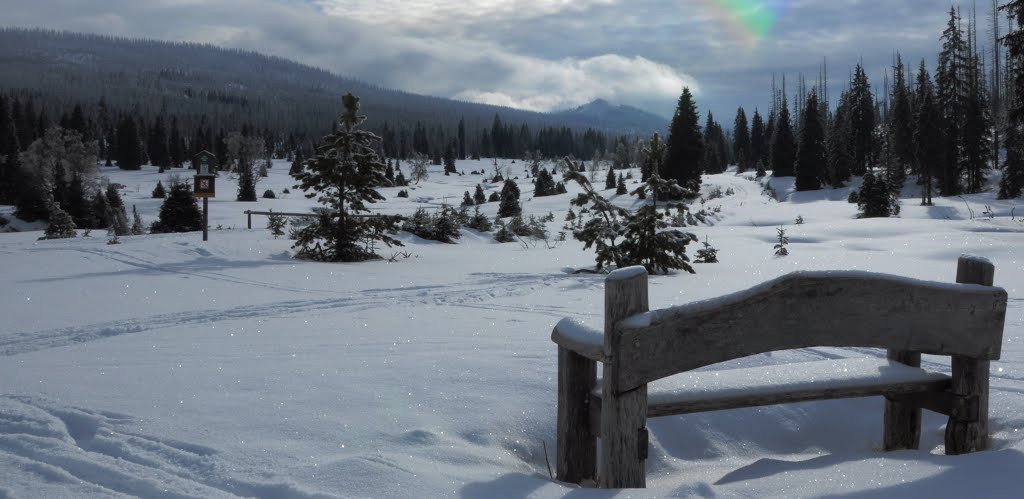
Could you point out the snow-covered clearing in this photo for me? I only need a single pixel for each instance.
(170, 367)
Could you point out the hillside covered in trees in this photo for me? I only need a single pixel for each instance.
(207, 90)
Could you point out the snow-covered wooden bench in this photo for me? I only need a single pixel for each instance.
(649, 359)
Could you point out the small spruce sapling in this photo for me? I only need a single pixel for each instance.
(276, 223)
(707, 254)
(159, 192)
(780, 246)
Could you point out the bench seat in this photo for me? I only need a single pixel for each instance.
(700, 391)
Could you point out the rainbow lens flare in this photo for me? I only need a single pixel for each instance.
(752, 19)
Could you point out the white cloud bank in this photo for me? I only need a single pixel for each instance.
(541, 85)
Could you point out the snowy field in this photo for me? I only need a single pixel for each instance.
(167, 367)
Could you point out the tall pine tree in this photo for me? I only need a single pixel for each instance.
(684, 156)
(1013, 166)
(811, 155)
(741, 141)
(783, 144)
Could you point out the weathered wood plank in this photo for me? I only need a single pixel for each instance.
(813, 309)
(577, 439)
(700, 391)
(623, 415)
(901, 428)
(706, 405)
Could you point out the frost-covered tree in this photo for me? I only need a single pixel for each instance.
(48, 166)
(344, 177)
(418, 165)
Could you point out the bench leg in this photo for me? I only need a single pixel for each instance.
(968, 431)
(624, 439)
(577, 440)
(902, 421)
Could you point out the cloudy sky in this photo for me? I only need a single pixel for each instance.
(540, 54)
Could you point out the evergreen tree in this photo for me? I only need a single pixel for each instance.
(176, 145)
(178, 213)
(950, 96)
(9, 150)
(462, 139)
(467, 200)
(246, 181)
(758, 140)
(684, 154)
(389, 173)
(78, 205)
(159, 154)
(654, 155)
(928, 137)
(119, 218)
(297, 163)
(479, 221)
(478, 195)
(61, 226)
(609, 181)
(620, 186)
(862, 120)
(811, 155)
(344, 176)
(1013, 166)
(783, 144)
(741, 141)
(509, 201)
(159, 192)
(623, 239)
(875, 198)
(102, 213)
(138, 228)
(129, 153)
(714, 160)
(840, 144)
(545, 185)
(901, 127)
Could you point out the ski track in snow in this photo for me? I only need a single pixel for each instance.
(476, 294)
(95, 453)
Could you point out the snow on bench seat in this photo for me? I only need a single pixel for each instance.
(699, 391)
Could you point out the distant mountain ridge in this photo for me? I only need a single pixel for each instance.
(190, 78)
(604, 113)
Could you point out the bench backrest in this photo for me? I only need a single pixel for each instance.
(810, 309)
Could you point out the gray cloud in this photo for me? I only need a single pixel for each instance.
(538, 54)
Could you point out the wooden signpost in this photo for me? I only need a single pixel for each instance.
(205, 187)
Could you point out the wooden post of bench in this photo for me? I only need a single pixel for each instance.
(623, 415)
(902, 422)
(577, 439)
(969, 432)
(248, 214)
